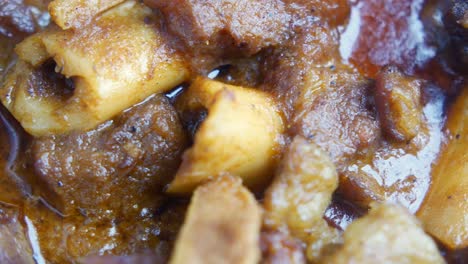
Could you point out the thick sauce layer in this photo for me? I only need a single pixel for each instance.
(378, 33)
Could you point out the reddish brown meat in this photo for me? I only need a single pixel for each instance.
(118, 166)
(251, 25)
(339, 119)
(287, 70)
(225, 27)
(322, 99)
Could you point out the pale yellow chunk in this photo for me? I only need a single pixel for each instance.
(77, 13)
(241, 135)
(388, 234)
(300, 194)
(222, 226)
(444, 213)
(114, 63)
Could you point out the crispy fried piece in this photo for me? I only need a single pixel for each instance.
(240, 135)
(388, 234)
(300, 194)
(222, 225)
(77, 13)
(398, 101)
(108, 66)
(445, 210)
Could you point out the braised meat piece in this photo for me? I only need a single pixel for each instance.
(336, 108)
(121, 164)
(322, 99)
(339, 119)
(221, 28)
(248, 25)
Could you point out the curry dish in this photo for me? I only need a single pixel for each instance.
(224, 131)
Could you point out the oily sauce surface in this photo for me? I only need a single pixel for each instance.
(377, 33)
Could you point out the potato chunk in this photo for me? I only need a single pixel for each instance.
(445, 210)
(388, 234)
(398, 101)
(109, 66)
(222, 225)
(74, 14)
(300, 194)
(241, 135)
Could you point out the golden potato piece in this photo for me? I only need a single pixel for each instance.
(241, 135)
(111, 65)
(222, 225)
(74, 14)
(444, 213)
(388, 234)
(300, 194)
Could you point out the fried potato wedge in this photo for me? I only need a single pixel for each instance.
(110, 65)
(222, 225)
(444, 213)
(74, 14)
(241, 135)
(300, 194)
(388, 234)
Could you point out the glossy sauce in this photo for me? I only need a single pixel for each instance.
(379, 32)
(385, 32)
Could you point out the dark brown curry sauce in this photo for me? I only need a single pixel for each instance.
(367, 44)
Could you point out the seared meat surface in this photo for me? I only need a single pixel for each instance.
(294, 129)
(132, 158)
(226, 25)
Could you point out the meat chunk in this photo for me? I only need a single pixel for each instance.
(398, 101)
(222, 225)
(340, 118)
(290, 71)
(115, 167)
(323, 100)
(299, 195)
(226, 26)
(14, 244)
(388, 234)
(336, 109)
